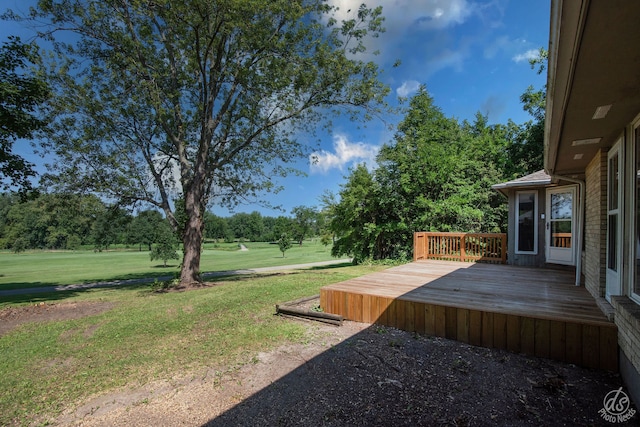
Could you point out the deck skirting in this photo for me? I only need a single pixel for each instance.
(588, 342)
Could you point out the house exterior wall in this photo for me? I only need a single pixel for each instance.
(626, 312)
(627, 319)
(595, 230)
(530, 260)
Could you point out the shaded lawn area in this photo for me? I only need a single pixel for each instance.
(47, 268)
(147, 336)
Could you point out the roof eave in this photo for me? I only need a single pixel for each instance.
(551, 145)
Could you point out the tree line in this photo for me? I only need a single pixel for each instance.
(70, 221)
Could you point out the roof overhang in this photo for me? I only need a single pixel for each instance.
(535, 180)
(594, 61)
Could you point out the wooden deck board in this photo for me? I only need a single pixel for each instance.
(529, 310)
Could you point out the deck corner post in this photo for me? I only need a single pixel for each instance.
(415, 246)
(503, 249)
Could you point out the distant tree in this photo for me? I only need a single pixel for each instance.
(269, 224)
(255, 226)
(28, 224)
(284, 243)
(22, 93)
(73, 242)
(303, 223)
(218, 91)
(247, 226)
(282, 225)
(273, 227)
(110, 227)
(19, 245)
(143, 229)
(326, 214)
(53, 221)
(165, 246)
(217, 227)
(7, 200)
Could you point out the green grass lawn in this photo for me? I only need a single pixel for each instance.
(46, 268)
(148, 336)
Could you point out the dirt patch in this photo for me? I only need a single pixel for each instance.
(166, 287)
(364, 375)
(12, 317)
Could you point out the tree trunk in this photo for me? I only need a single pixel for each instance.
(192, 240)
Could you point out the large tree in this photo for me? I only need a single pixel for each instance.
(355, 216)
(203, 98)
(435, 176)
(22, 92)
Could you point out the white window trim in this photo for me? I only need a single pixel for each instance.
(535, 223)
(633, 249)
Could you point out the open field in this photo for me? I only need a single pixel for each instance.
(46, 268)
(136, 336)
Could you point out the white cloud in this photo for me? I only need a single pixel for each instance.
(526, 56)
(504, 45)
(345, 152)
(402, 15)
(437, 14)
(431, 14)
(408, 87)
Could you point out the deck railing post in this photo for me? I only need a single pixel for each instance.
(503, 251)
(463, 244)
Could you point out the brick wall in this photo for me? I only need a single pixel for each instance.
(596, 225)
(628, 321)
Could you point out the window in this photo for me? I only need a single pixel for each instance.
(527, 224)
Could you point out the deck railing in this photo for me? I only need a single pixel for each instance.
(483, 247)
(561, 240)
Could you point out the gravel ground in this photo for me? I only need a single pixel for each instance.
(366, 375)
(353, 375)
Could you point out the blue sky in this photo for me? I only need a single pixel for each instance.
(471, 55)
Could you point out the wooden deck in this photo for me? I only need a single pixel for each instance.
(526, 310)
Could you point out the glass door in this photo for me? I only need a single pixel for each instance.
(560, 225)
